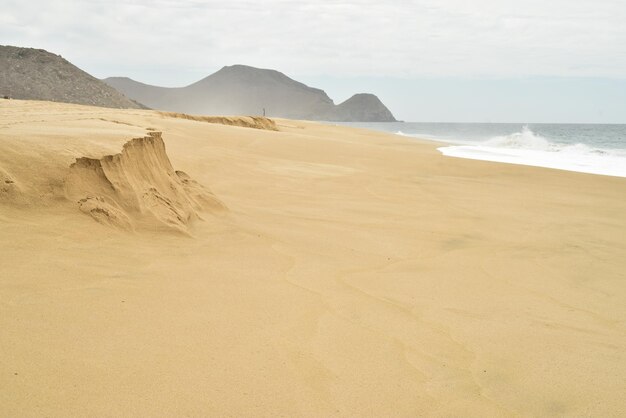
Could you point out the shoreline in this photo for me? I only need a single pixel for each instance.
(523, 147)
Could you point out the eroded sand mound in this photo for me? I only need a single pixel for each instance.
(255, 122)
(138, 188)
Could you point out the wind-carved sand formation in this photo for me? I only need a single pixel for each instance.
(138, 188)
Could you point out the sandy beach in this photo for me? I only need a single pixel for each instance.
(297, 269)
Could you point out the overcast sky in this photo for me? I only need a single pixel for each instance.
(409, 52)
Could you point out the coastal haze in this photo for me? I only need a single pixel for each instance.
(243, 90)
(210, 209)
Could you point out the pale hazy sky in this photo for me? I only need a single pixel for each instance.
(430, 60)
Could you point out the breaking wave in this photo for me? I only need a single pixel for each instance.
(528, 148)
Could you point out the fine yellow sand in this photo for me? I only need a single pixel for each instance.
(312, 271)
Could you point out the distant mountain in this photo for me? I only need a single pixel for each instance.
(244, 90)
(363, 107)
(35, 74)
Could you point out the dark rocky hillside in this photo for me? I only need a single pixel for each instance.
(35, 74)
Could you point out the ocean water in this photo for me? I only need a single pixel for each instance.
(586, 148)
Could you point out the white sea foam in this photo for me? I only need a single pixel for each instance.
(526, 139)
(528, 148)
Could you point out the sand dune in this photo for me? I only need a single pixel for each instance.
(353, 274)
(257, 122)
